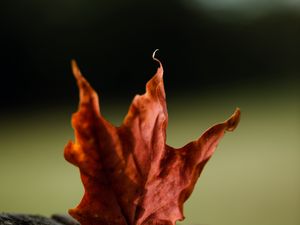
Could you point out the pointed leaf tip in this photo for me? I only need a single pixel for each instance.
(153, 54)
(75, 69)
(156, 59)
(234, 120)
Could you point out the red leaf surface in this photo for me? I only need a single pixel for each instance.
(130, 175)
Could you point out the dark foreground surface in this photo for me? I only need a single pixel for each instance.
(24, 219)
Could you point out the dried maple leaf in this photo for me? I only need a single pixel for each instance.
(130, 175)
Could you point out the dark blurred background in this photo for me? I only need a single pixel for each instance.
(203, 45)
(217, 55)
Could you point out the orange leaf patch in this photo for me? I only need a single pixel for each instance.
(130, 175)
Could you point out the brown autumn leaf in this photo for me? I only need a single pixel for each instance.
(130, 175)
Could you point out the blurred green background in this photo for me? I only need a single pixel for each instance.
(217, 55)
